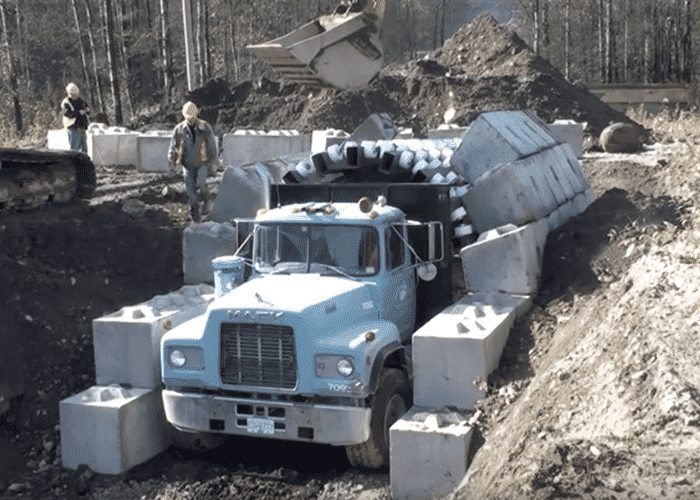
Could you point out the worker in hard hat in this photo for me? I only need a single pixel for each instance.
(75, 112)
(193, 146)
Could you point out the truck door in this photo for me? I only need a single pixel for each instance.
(400, 295)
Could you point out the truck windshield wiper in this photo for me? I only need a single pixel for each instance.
(335, 269)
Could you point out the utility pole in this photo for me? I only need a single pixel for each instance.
(189, 48)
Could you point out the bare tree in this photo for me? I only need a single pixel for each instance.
(567, 39)
(112, 60)
(166, 57)
(123, 58)
(10, 69)
(93, 49)
(81, 46)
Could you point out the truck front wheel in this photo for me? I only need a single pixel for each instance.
(390, 402)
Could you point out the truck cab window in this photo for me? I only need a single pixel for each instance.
(395, 255)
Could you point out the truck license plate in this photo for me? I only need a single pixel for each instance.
(260, 426)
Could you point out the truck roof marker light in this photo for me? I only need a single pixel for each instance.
(296, 209)
(167, 325)
(365, 204)
(261, 211)
(370, 336)
(373, 214)
(329, 209)
(381, 201)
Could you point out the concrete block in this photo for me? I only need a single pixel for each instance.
(508, 195)
(461, 344)
(568, 132)
(110, 147)
(376, 126)
(57, 139)
(499, 138)
(152, 151)
(244, 146)
(112, 429)
(323, 139)
(429, 453)
(127, 342)
(200, 244)
(242, 192)
(447, 132)
(506, 259)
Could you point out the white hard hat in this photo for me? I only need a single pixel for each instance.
(190, 110)
(72, 89)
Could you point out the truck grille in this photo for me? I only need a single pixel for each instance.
(258, 355)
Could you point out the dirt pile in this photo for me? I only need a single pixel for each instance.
(483, 67)
(597, 393)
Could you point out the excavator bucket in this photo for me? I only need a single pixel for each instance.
(343, 49)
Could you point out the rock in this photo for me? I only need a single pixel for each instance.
(622, 138)
(15, 488)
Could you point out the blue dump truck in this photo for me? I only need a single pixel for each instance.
(316, 344)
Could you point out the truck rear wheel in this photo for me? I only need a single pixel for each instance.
(197, 441)
(391, 401)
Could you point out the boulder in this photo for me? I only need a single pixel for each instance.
(622, 138)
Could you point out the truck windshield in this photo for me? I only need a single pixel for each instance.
(325, 249)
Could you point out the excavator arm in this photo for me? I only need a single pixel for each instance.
(343, 49)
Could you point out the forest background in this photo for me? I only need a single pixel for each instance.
(128, 55)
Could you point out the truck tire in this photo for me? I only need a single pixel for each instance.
(390, 402)
(197, 441)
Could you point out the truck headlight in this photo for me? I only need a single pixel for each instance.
(334, 366)
(177, 358)
(344, 367)
(186, 357)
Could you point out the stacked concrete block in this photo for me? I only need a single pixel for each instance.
(323, 139)
(568, 132)
(245, 146)
(241, 193)
(499, 138)
(127, 342)
(429, 452)
(111, 429)
(112, 145)
(201, 243)
(152, 151)
(525, 190)
(570, 209)
(461, 345)
(57, 139)
(506, 259)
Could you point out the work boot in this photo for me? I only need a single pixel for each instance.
(194, 213)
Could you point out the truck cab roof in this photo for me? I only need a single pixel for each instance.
(341, 213)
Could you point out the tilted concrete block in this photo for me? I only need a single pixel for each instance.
(508, 195)
(506, 259)
(112, 429)
(242, 147)
(460, 345)
(242, 192)
(428, 453)
(323, 139)
(57, 139)
(498, 138)
(127, 342)
(376, 126)
(447, 132)
(569, 132)
(200, 244)
(152, 151)
(109, 147)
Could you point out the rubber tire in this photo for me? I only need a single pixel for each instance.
(199, 442)
(389, 403)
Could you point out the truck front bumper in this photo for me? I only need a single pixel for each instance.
(335, 425)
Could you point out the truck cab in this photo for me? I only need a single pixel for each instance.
(315, 345)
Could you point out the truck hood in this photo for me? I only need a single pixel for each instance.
(314, 294)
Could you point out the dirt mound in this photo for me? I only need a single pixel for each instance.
(483, 67)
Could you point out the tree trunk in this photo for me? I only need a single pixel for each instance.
(123, 59)
(199, 36)
(567, 39)
(96, 73)
(609, 42)
(545, 27)
(112, 61)
(10, 69)
(601, 41)
(687, 43)
(83, 57)
(207, 39)
(536, 20)
(165, 50)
